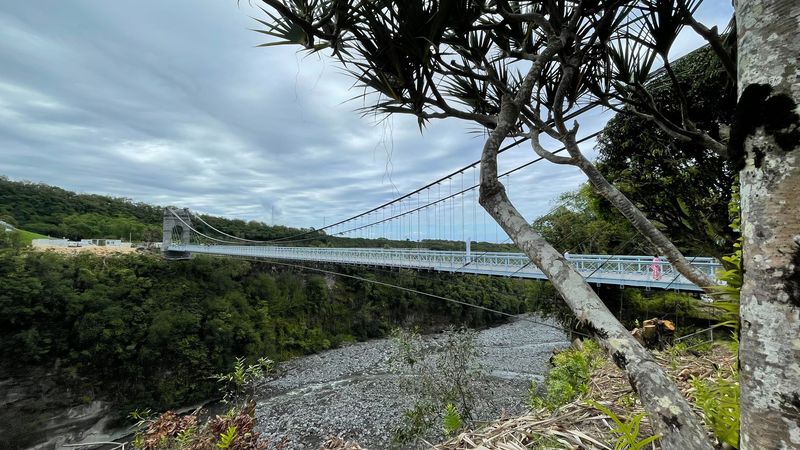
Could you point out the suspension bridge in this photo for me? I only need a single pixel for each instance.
(444, 210)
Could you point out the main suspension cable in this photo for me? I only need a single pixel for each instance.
(285, 240)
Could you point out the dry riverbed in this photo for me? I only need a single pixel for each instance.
(352, 392)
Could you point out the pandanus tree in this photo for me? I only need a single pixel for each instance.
(525, 69)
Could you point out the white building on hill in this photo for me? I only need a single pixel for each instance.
(101, 242)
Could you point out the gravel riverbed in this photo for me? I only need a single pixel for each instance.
(352, 392)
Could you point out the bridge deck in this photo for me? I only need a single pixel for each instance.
(620, 270)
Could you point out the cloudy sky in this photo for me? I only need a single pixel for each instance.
(170, 102)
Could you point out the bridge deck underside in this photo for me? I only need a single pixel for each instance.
(622, 270)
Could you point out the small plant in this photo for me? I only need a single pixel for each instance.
(727, 295)
(569, 377)
(627, 431)
(627, 400)
(163, 432)
(241, 379)
(451, 420)
(185, 437)
(416, 421)
(719, 400)
(226, 438)
(677, 349)
(444, 385)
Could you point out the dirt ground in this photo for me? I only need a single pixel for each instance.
(97, 250)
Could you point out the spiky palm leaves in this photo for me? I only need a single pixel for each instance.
(456, 58)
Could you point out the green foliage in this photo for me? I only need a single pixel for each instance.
(233, 431)
(407, 345)
(687, 311)
(451, 420)
(727, 295)
(578, 225)
(12, 239)
(185, 437)
(719, 399)
(237, 382)
(569, 377)
(226, 438)
(417, 420)
(444, 385)
(682, 187)
(627, 431)
(52, 211)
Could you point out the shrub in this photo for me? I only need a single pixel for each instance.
(444, 384)
(569, 377)
(241, 380)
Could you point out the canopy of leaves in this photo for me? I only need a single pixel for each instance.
(148, 332)
(53, 211)
(682, 186)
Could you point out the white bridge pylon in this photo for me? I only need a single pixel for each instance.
(621, 270)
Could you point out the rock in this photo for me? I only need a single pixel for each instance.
(36, 412)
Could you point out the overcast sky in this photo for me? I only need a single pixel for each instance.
(170, 102)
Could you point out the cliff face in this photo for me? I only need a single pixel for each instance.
(37, 412)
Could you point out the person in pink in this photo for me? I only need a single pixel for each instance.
(656, 267)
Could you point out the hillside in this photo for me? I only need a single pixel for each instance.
(53, 211)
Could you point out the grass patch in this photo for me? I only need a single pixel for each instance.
(27, 237)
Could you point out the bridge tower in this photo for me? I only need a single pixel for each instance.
(176, 231)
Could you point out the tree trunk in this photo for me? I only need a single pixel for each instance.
(766, 140)
(642, 224)
(671, 415)
(669, 411)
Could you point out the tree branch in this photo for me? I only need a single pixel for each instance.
(714, 40)
(548, 155)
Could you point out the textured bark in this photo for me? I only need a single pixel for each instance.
(766, 138)
(642, 224)
(670, 413)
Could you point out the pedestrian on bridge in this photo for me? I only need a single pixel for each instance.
(656, 268)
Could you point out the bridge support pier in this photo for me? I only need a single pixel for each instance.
(176, 231)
